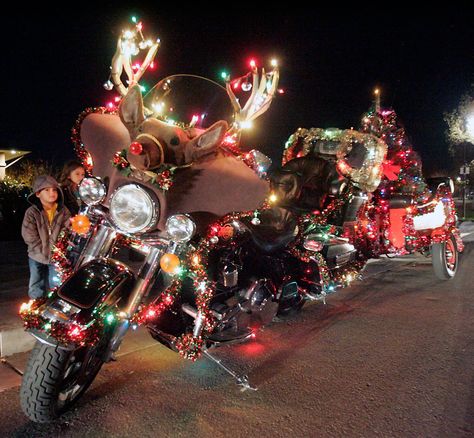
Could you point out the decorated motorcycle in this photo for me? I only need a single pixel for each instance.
(224, 247)
(169, 165)
(397, 212)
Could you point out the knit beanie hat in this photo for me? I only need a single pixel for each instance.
(44, 181)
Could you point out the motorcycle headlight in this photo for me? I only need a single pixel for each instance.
(133, 209)
(92, 191)
(180, 227)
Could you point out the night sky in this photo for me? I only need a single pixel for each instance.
(54, 68)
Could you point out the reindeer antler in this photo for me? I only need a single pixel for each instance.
(122, 60)
(263, 92)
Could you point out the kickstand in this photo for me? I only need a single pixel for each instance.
(242, 380)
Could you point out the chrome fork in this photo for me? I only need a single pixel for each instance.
(99, 245)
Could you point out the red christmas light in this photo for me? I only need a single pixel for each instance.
(76, 334)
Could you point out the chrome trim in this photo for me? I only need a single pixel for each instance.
(191, 311)
(99, 244)
(145, 278)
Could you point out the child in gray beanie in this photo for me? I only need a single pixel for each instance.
(42, 223)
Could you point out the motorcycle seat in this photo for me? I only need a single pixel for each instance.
(277, 228)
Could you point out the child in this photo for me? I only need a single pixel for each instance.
(41, 226)
(71, 176)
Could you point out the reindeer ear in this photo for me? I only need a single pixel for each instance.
(206, 142)
(213, 136)
(131, 109)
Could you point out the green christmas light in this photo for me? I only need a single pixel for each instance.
(179, 271)
(110, 318)
(134, 19)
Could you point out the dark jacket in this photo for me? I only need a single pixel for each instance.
(36, 230)
(70, 200)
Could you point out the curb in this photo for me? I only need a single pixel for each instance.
(15, 341)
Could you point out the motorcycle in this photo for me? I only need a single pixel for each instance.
(170, 165)
(223, 250)
(395, 211)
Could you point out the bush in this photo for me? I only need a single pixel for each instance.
(25, 172)
(13, 204)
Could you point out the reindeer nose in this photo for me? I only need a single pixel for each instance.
(135, 148)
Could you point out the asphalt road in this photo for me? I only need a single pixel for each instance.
(391, 356)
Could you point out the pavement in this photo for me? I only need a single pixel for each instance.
(15, 343)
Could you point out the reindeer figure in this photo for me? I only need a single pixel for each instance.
(212, 180)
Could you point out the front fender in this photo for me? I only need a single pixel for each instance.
(76, 315)
(104, 281)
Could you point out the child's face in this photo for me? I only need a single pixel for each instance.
(49, 195)
(77, 175)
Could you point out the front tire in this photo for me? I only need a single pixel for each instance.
(55, 379)
(445, 259)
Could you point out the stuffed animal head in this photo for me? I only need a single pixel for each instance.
(155, 142)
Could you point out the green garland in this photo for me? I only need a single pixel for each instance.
(161, 179)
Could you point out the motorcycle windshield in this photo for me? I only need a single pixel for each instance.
(190, 101)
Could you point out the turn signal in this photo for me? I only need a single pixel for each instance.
(169, 263)
(80, 224)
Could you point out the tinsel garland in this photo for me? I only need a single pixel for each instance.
(79, 147)
(419, 240)
(65, 333)
(190, 346)
(384, 124)
(338, 143)
(152, 311)
(59, 255)
(317, 222)
(303, 141)
(372, 232)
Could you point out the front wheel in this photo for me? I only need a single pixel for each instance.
(54, 379)
(445, 258)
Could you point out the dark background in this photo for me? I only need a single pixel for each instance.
(54, 67)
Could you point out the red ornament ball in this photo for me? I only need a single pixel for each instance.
(136, 148)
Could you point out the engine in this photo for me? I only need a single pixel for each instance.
(245, 311)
